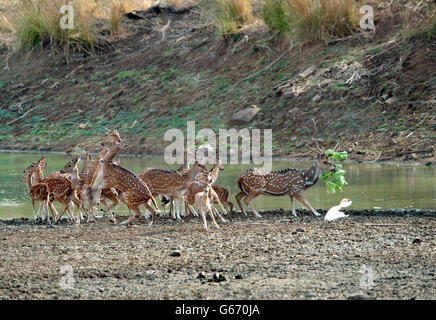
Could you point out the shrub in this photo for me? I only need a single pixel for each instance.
(231, 15)
(38, 21)
(276, 15)
(335, 180)
(309, 19)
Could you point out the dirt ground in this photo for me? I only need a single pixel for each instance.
(381, 255)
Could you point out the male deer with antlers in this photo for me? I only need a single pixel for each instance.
(288, 181)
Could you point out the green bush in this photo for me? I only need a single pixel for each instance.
(276, 15)
(335, 180)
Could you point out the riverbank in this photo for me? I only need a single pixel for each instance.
(376, 254)
(291, 159)
(372, 93)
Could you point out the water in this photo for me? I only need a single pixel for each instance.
(370, 185)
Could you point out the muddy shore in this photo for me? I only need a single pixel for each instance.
(371, 254)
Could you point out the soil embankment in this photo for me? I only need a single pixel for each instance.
(374, 93)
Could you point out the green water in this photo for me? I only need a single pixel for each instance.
(370, 185)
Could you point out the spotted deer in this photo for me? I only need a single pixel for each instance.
(78, 182)
(197, 186)
(290, 181)
(223, 196)
(134, 191)
(61, 189)
(169, 182)
(203, 201)
(38, 192)
(91, 191)
(106, 194)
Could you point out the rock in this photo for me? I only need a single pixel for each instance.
(238, 277)
(218, 277)
(293, 111)
(316, 98)
(300, 143)
(288, 94)
(391, 100)
(201, 275)
(245, 116)
(416, 241)
(299, 230)
(307, 72)
(175, 253)
(360, 296)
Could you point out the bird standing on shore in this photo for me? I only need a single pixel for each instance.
(335, 213)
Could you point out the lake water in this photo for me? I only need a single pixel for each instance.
(370, 185)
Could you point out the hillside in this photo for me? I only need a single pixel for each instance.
(373, 92)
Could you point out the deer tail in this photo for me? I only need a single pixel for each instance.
(241, 186)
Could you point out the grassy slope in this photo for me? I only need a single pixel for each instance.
(145, 86)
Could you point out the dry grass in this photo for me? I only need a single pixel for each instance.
(418, 18)
(231, 15)
(309, 19)
(30, 22)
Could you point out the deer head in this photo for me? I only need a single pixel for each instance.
(114, 137)
(34, 167)
(324, 164)
(69, 167)
(322, 161)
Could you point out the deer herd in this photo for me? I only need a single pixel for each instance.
(102, 180)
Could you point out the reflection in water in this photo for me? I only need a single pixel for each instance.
(375, 185)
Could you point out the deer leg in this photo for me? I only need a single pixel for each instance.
(77, 202)
(186, 207)
(178, 209)
(238, 198)
(293, 206)
(32, 201)
(146, 213)
(303, 200)
(65, 206)
(230, 204)
(114, 204)
(203, 216)
(194, 213)
(153, 214)
(52, 210)
(251, 195)
(41, 205)
(209, 210)
(105, 205)
(216, 199)
(218, 214)
(136, 211)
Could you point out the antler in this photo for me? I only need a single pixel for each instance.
(320, 151)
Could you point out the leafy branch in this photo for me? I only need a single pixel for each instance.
(335, 180)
